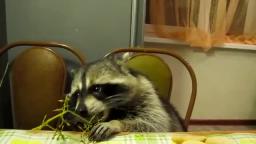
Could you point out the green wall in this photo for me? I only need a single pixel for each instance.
(93, 26)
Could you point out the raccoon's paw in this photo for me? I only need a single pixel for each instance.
(105, 130)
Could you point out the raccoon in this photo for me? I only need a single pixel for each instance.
(125, 99)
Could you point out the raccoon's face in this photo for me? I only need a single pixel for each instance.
(103, 85)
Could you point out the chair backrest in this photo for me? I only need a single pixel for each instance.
(143, 66)
(37, 81)
(156, 70)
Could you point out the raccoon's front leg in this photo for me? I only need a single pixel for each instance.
(105, 130)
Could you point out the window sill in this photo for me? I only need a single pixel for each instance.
(150, 37)
(156, 40)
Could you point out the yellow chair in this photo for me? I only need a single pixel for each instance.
(159, 72)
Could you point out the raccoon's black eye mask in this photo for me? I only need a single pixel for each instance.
(102, 91)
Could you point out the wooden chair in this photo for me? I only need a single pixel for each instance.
(159, 72)
(37, 78)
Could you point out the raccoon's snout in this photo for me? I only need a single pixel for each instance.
(83, 113)
(81, 110)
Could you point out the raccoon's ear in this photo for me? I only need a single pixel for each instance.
(126, 56)
(120, 59)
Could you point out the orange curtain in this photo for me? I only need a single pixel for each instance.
(203, 23)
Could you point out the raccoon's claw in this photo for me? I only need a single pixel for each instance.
(103, 131)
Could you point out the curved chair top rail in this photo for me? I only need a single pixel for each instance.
(48, 44)
(180, 59)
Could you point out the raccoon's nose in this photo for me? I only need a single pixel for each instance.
(83, 113)
(81, 110)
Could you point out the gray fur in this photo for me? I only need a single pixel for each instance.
(136, 108)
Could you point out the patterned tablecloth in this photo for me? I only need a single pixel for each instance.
(46, 137)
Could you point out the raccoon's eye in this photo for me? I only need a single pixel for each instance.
(113, 89)
(95, 89)
(105, 90)
(77, 93)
